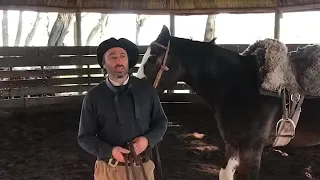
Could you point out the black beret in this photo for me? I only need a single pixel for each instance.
(131, 49)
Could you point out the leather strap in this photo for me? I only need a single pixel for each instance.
(133, 157)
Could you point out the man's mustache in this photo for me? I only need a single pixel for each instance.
(119, 65)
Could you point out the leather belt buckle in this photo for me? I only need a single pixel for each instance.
(112, 162)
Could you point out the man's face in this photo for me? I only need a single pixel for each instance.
(116, 62)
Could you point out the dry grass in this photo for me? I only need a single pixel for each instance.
(163, 5)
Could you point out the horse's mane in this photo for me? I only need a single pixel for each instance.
(205, 54)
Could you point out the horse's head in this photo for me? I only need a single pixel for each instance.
(159, 64)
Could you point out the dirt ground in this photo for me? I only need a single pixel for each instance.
(43, 146)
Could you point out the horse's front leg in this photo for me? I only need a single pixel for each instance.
(250, 159)
(231, 163)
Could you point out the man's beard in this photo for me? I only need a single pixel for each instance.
(121, 75)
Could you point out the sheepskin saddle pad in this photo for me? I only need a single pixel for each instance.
(297, 69)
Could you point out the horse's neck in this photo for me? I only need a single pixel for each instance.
(222, 75)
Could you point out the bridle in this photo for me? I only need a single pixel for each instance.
(163, 66)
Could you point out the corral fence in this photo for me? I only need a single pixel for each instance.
(38, 76)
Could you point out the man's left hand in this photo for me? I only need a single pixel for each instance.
(140, 144)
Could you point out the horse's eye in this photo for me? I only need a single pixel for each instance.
(153, 59)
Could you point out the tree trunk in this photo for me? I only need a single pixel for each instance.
(19, 30)
(5, 35)
(140, 20)
(33, 30)
(60, 29)
(210, 28)
(102, 23)
(103, 27)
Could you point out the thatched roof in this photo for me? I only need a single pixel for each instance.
(162, 6)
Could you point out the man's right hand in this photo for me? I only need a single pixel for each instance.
(117, 153)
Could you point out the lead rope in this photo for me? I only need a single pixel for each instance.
(133, 157)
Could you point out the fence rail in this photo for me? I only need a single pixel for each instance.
(45, 75)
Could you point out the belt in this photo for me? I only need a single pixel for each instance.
(113, 162)
(130, 159)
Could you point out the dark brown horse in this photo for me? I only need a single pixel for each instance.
(229, 83)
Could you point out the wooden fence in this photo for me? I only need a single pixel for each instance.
(32, 76)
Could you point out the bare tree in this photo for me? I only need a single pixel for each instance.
(140, 20)
(33, 30)
(210, 28)
(19, 30)
(60, 29)
(5, 35)
(102, 24)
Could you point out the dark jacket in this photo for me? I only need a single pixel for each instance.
(104, 125)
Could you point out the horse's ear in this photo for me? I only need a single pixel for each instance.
(213, 41)
(165, 29)
(164, 34)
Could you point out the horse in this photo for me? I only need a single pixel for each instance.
(230, 83)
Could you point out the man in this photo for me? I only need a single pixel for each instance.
(119, 110)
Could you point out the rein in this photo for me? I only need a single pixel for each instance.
(133, 157)
(163, 66)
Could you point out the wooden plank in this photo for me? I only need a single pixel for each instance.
(67, 50)
(75, 50)
(11, 103)
(57, 100)
(180, 98)
(49, 72)
(49, 82)
(4, 93)
(18, 92)
(91, 60)
(50, 61)
(54, 50)
(46, 61)
(76, 100)
(19, 51)
(25, 91)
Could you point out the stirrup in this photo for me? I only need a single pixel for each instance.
(285, 122)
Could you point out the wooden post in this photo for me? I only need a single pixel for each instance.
(78, 28)
(172, 25)
(79, 42)
(172, 32)
(278, 16)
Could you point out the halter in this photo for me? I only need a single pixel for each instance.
(163, 66)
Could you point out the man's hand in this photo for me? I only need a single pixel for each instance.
(117, 153)
(140, 144)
